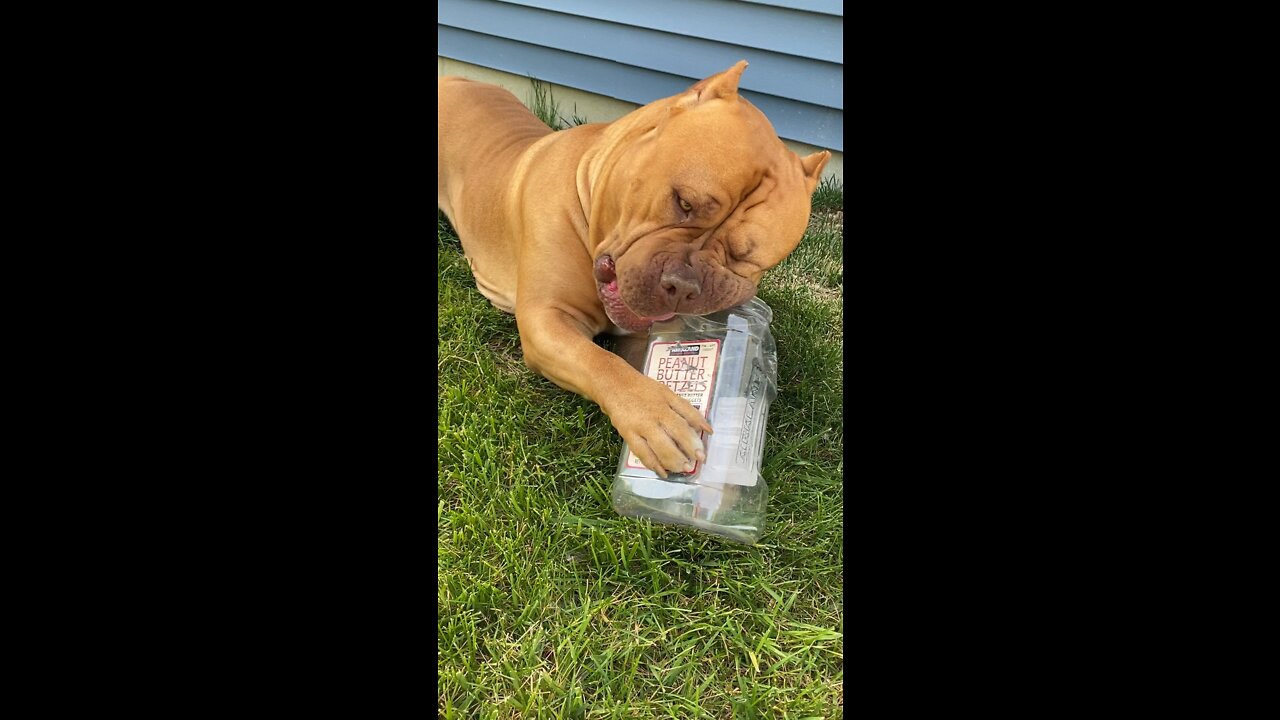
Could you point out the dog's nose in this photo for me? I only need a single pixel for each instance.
(681, 284)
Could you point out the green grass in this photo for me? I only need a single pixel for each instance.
(829, 195)
(553, 606)
(542, 102)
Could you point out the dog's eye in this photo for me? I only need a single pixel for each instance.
(684, 205)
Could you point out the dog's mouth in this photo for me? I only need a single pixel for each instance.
(607, 286)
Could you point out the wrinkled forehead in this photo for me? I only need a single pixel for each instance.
(718, 151)
(721, 130)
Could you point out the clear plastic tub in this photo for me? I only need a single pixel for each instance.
(725, 364)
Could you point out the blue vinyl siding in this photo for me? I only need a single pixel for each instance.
(807, 35)
(639, 52)
(830, 7)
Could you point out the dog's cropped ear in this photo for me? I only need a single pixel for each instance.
(721, 85)
(812, 165)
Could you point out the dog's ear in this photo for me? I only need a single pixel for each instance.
(721, 85)
(812, 165)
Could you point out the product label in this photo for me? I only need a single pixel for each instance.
(689, 369)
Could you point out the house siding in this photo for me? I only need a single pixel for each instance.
(639, 52)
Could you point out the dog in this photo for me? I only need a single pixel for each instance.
(678, 207)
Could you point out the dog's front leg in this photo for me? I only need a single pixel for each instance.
(661, 427)
(631, 348)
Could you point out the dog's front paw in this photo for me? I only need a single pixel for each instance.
(661, 427)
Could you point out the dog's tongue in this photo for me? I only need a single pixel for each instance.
(660, 318)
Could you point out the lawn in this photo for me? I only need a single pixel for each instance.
(553, 606)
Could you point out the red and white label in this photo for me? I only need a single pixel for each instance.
(689, 369)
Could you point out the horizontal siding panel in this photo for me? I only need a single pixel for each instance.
(803, 34)
(784, 76)
(829, 7)
(793, 120)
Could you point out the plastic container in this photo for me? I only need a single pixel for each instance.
(726, 365)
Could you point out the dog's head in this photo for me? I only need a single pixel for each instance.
(693, 197)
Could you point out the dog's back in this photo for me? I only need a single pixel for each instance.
(482, 131)
(479, 126)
